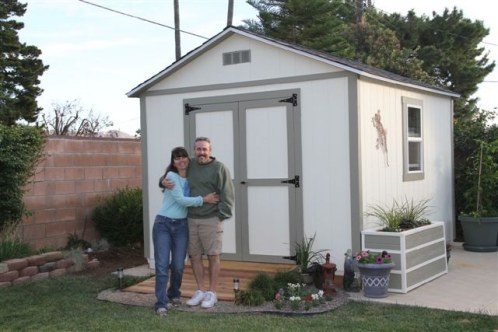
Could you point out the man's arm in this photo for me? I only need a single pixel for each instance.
(227, 196)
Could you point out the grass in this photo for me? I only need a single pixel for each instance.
(69, 303)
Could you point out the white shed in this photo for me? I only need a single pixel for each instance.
(311, 141)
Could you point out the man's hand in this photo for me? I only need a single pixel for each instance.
(168, 184)
(211, 198)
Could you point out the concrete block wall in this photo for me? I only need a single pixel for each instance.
(71, 179)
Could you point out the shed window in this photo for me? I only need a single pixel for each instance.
(413, 140)
(232, 58)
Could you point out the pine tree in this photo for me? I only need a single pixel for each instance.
(20, 68)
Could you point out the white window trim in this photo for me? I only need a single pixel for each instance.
(407, 174)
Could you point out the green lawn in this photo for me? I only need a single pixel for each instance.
(69, 304)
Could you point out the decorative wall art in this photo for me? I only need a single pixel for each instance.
(381, 136)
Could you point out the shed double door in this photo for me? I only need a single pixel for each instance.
(257, 137)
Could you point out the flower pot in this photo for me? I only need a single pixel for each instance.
(375, 279)
(480, 234)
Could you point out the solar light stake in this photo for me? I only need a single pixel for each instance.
(120, 277)
(236, 285)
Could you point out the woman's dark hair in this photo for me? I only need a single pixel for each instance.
(176, 152)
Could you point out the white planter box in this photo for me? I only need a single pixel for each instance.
(419, 254)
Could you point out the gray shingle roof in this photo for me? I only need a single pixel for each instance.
(346, 64)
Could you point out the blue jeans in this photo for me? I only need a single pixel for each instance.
(170, 237)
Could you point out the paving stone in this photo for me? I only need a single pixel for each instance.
(21, 280)
(65, 263)
(37, 260)
(57, 273)
(53, 256)
(40, 276)
(29, 271)
(5, 284)
(9, 276)
(16, 263)
(47, 267)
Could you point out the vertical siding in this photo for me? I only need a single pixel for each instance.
(382, 183)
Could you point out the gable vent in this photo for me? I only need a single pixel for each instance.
(232, 58)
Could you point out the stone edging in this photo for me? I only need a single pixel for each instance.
(42, 266)
(148, 300)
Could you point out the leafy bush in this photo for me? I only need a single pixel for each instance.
(265, 284)
(119, 218)
(20, 150)
(282, 279)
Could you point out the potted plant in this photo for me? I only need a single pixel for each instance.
(417, 245)
(375, 269)
(480, 219)
(305, 257)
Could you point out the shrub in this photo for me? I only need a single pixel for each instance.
(20, 150)
(282, 279)
(119, 218)
(263, 283)
(74, 242)
(251, 297)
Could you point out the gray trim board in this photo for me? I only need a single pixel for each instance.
(226, 86)
(238, 103)
(145, 179)
(356, 198)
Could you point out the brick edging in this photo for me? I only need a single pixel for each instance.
(42, 266)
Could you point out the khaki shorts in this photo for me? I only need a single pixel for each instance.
(205, 236)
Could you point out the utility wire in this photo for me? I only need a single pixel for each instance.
(140, 18)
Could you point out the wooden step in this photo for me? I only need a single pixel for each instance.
(244, 271)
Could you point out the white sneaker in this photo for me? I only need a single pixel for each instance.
(197, 298)
(209, 300)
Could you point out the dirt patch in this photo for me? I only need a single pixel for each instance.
(114, 258)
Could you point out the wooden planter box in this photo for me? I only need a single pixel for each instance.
(419, 254)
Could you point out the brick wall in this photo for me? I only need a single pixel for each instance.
(73, 176)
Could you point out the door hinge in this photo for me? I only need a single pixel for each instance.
(189, 108)
(292, 100)
(294, 181)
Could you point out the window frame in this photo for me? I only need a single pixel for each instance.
(409, 175)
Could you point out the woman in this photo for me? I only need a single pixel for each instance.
(170, 231)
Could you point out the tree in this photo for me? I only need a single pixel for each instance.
(448, 46)
(317, 24)
(20, 150)
(20, 68)
(71, 119)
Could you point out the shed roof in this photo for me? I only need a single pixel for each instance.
(343, 63)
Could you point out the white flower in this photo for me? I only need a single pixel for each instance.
(320, 293)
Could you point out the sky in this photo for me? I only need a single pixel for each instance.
(96, 55)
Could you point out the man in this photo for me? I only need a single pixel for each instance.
(207, 175)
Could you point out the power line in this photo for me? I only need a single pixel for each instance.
(140, 18)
